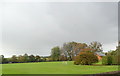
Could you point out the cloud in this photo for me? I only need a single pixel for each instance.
(35, 28)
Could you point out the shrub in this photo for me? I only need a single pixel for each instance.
(111, 60)
(112, 57)
(104, 60)
(86, 58)
(107, 60)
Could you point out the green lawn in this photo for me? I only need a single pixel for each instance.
(54, 68)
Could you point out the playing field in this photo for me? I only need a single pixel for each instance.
(54, 68)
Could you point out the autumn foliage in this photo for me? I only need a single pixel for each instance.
(85, 58)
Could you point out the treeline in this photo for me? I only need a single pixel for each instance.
(67, 52)
(80, 53)
(24, 59)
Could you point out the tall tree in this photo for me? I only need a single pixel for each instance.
(26, 57)
(79, 47)
(68, 49)
(32, 58)
(14, 59)
(1, 58)
(118, 48)
(96, 46)
(20, 58)
(55, 53)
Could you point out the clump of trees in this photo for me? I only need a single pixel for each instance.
(112, 57)
(81, 53)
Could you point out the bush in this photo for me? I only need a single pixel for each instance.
(107, 60)
(112, 57)
(104, 60)
(86, 58)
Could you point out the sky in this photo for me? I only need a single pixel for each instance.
(36, 27)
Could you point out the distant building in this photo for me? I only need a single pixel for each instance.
(99, 55)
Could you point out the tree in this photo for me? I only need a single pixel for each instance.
(118, 49)
(68, 50)
(107, 60)
(26, 58)
(32, 58)
(96, 46)
(55, 53)
(72, 49)
(78, 47)
(86, 58)
(14, 59)
(37, 58)
(20, 59)
(1, 58)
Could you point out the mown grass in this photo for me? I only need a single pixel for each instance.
(55, 68)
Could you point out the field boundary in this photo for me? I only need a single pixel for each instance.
(113, 73)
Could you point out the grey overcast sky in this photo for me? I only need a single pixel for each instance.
(34, 28)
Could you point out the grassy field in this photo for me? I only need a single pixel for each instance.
(54, 68)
